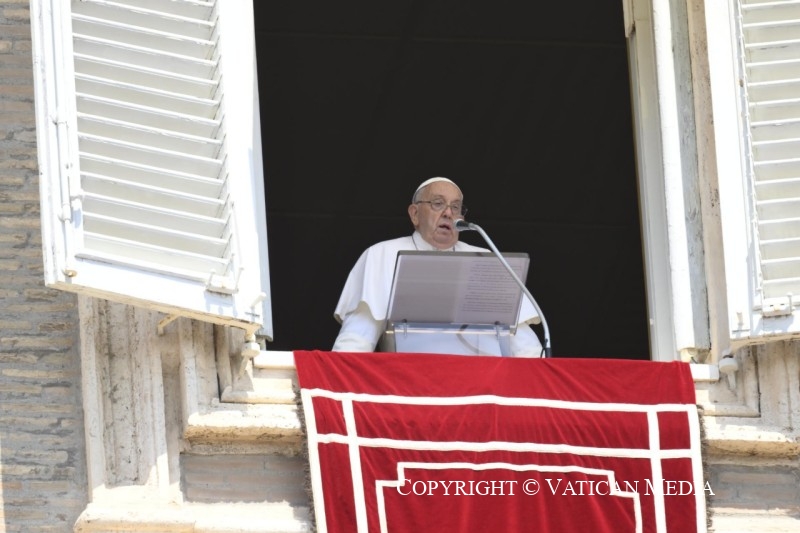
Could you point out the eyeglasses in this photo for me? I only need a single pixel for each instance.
(440, 205)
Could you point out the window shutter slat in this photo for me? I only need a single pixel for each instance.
(148, 116)
(154, 195)
(184, 264)
(147, 76)
(148, 175)
(144, 135)
(153, 97)
(146, 56)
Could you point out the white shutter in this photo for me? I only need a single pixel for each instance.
(761, 220)
(771, 37)
(150, 156)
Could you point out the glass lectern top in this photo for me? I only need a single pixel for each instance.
(456, 288)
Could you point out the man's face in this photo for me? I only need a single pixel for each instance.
(437, 227)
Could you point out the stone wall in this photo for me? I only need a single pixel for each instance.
(754, 441)
(42, 464)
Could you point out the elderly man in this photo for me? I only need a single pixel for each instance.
(436, 205)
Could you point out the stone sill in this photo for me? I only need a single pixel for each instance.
(274, 360)
(726, 520)
(283, 360)
(236, 422)
(143, 516)
(729, 436)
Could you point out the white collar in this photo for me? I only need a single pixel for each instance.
(423, 245)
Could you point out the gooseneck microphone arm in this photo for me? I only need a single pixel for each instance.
(463, 225)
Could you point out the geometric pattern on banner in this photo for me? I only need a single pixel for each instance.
(502, 445)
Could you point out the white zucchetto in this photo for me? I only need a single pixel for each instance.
(434, 180)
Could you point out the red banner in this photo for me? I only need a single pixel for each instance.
(422, 442)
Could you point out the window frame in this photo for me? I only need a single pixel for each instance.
(678, 311)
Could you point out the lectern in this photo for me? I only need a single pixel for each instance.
(462, 303)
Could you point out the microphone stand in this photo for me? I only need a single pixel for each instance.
(462, 225)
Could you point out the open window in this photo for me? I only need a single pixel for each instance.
(150, 156)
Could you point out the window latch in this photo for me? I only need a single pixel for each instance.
(778, 307)
(223, 284)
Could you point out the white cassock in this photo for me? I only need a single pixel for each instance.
(364, 301)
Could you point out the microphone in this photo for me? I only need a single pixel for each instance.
(463, 225)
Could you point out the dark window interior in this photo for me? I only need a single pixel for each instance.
(526, 105)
